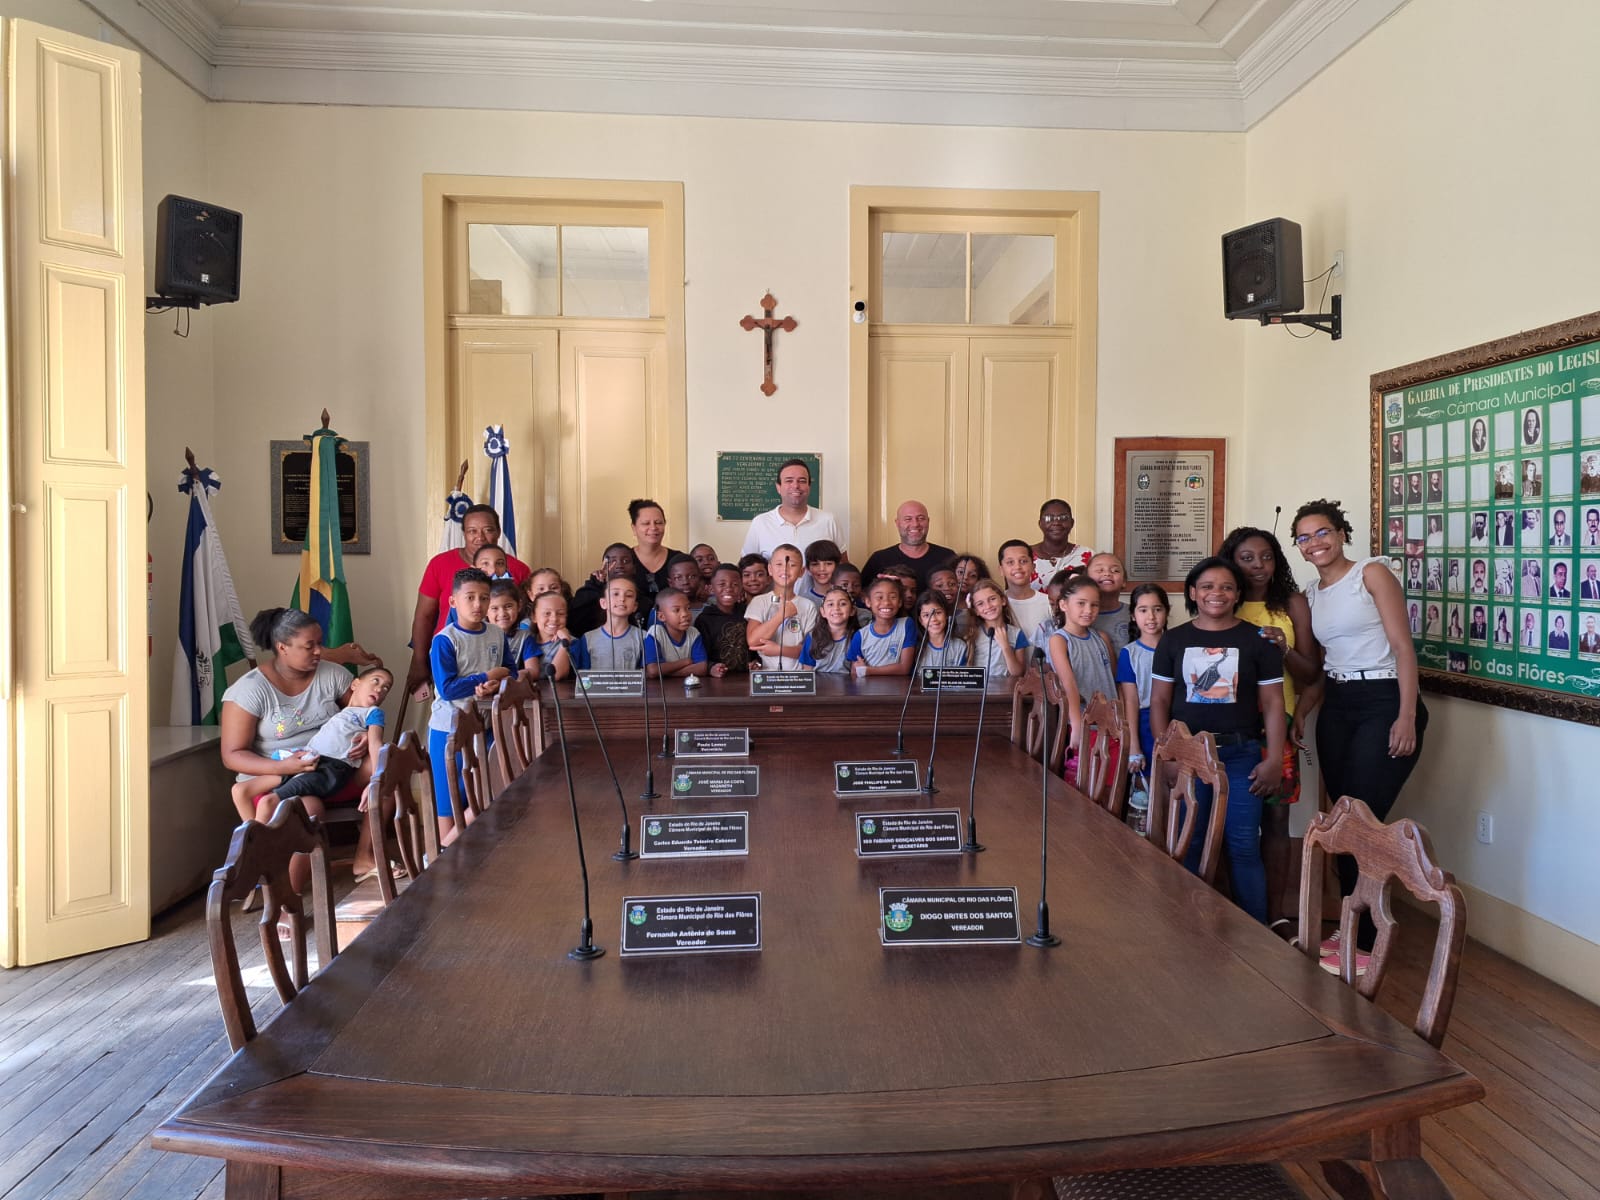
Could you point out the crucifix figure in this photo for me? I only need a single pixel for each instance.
(768, 324)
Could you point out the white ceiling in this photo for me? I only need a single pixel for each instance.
(1121, 64)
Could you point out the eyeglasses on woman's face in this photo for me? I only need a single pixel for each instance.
(1314, 535)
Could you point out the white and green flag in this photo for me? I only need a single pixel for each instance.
(211, 628)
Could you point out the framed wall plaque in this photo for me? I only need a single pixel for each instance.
(1170, 494)
(291, 495)
(1486, 499)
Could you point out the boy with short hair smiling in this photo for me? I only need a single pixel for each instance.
(721, 623)
(1029, 607)
(673, 645)
(822, 560)
(469, 657)
(618, 645)
(753, 574)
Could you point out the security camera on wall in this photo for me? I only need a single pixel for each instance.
(1263, 278)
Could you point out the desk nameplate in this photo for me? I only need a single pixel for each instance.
(901, 834)
(612, 683)
(962, 916)
(783, 683)
(694, 835)
(712, 743)
(703, 783)
(889, 776)
(717, 924)
(954, 679)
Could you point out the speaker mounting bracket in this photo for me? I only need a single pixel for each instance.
(1331, 323)
(153, 304)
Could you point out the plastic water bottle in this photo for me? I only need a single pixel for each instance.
(1138, 817)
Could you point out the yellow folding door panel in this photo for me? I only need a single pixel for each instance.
(78, 787)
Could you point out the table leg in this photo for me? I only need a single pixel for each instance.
(1394, 1169)
(251, 1181)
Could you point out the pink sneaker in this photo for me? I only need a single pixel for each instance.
(1330, 963)
(1330, 945)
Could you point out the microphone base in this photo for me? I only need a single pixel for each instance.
(649, 792)
(898, 751)
(1042, 940)
(625, 855)
(972, 847)
(928, 789)
(585, 953)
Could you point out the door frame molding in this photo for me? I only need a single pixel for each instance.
(440, 195)
(1077, 312)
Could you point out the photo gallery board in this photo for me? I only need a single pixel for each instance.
(1486, 500)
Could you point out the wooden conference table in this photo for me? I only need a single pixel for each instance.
(455, 1049)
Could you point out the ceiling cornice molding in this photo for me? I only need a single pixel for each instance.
(675, 63)
(286, 65)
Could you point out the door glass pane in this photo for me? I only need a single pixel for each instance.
(605, 271)
(512, 270)
(1013, 279)
(925, 278)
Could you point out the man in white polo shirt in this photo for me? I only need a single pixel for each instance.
(793, 521)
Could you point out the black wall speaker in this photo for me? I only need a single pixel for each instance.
(1261, 270)
(197, 251)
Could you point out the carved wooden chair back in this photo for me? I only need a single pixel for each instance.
(401, 829)
(1182, 761)
(468, 787)
(1399, 852)
(1103, 767)
(1027, 718)
(259, 854)
(518, 734)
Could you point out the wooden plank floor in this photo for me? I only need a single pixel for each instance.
(95, 1051)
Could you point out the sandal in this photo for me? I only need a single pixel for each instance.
(397, 874)
(1284, 928)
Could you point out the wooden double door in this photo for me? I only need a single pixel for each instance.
(976, 425)
(584, 409)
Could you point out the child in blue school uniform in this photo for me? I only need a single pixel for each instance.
(1150, 609)
(887, 646)
(673, 645)
(618, 645)
(469, 658)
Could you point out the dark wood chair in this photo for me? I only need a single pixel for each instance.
(1386, 855)
(259, 854)
(397, 822)
(1181, 761)
(468, 787)
(1103, 769)
(1027, 718)
(518, 727)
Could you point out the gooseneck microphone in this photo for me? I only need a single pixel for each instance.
(1277, 511)
(625, 850)
(1041, 936)
(973, 846)
(585, 949)
(938, 698)
(661, 678)
(649, 792)
(899, 750)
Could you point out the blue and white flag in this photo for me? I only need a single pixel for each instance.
(212, 633)
(455, 508)
(494, 445)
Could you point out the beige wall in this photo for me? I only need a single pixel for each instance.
(332, 307)
(1444, 155)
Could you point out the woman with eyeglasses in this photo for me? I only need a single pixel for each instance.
(1370, 732)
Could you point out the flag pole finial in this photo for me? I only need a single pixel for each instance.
(194, 469)
(325, 424)
(461, 475)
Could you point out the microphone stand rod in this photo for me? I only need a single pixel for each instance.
(585, 949)
(1041, 936)
(625, 849)
(649, 792)
(973, 846)
(899, 750)
(933, 747)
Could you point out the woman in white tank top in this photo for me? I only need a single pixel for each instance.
(1372, 723)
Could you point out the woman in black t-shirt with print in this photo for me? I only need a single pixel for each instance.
(1219, 675)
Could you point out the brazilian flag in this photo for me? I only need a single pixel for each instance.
(320, 590)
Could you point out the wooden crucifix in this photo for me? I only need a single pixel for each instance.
(769, 325)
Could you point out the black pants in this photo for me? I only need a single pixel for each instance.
(1353, 752)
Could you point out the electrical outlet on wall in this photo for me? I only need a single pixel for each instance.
(1485, 828)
